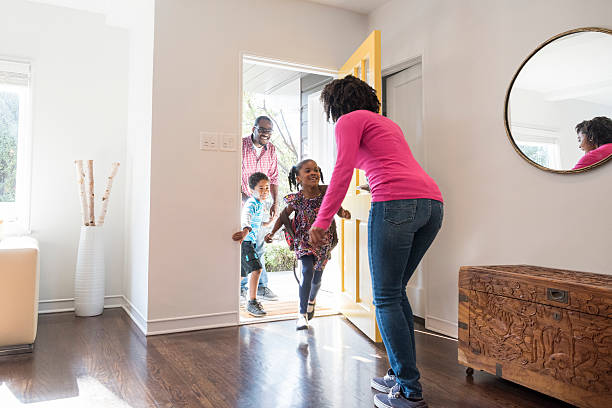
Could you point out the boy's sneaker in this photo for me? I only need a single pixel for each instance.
(310, 310)
(395, 399)
(243, 292)
(255, 308)
(384, 384)
(265, 293)
(302, 322)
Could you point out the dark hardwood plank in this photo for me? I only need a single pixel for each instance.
(258, 365)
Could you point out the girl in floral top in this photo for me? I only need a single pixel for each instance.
(306, 203)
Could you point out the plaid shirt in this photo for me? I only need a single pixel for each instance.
(266, 163)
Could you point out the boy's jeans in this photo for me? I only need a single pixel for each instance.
(259, 250)
(399, 234)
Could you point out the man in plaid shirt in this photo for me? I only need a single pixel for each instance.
(259, 155)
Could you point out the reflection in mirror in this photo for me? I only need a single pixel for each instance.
(560, 102)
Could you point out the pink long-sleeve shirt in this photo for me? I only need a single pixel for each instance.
(376, 144)
(594, 156)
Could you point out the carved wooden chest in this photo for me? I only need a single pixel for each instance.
(546, 329)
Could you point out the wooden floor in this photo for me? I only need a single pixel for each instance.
(280, 310)
(105, 362)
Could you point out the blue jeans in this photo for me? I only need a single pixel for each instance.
(399, 234)
(259, 250)
(310, 283)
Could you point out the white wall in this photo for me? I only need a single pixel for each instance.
(532, 109)
(195, 194)
(139, 19)
(498, 208)
(79, 112)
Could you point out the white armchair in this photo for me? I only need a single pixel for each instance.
(19, 276)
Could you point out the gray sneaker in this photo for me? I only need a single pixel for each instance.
(395, 399)
(255, 308)
(265, 293)
(243, 292)
(384, 384)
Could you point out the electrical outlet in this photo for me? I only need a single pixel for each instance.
(228, 142)
(209, 141)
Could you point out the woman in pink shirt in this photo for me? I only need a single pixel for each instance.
(405, 216)
(595, 138)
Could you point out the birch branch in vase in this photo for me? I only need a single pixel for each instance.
(90, 193)
(109, 185)
(81, 184)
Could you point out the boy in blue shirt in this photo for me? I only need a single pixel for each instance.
(250, 220)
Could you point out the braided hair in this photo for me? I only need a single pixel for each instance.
(295, 170)
(342, 96)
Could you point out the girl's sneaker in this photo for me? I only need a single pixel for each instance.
(310, 310)
(396, 399)
(255, 308)
(384, 384)
(302, 322)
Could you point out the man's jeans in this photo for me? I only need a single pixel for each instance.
(259, 250)
(399, 234)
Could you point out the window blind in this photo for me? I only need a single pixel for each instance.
(14, 72)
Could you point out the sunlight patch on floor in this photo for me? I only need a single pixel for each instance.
(91, 394)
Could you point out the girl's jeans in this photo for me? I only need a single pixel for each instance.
(310, 283)
(399, 234)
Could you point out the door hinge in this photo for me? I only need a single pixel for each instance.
(463, 297)
(498, 370)
(463, 325)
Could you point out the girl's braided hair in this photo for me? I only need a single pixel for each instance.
(342, 96)
(295, 170)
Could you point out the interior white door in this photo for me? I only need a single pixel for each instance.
(404, 98)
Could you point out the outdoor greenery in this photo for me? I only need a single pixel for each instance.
(9, 119)
(536, 153)
(278, 257)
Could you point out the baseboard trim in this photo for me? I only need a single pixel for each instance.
(190, 323)
(150, 327)
(134, 314)
(67, 305)
(442, 326)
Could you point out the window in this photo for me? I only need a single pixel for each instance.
(14, 142)
(543, 153)
(539, 144)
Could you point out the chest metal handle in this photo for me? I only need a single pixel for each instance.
(557, 295)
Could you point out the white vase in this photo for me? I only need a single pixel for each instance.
(89, 277)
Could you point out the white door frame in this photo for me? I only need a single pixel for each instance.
(420, 294)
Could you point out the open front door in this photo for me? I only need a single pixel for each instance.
(356, 289)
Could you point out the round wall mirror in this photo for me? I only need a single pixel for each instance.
(558, 110)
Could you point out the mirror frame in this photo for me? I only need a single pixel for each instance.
(507, 123)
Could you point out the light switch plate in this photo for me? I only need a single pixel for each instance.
(227, 142)
(209, 141)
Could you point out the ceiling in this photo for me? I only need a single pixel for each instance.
(573, 67)
(263, 79)
(359, 6)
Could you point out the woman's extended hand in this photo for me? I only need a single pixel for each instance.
(317, 235)
(268, 238)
